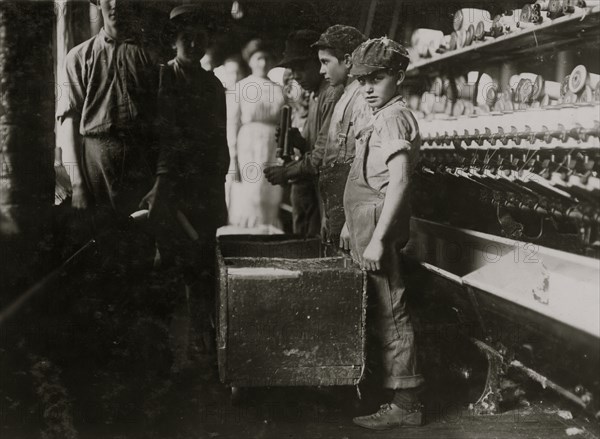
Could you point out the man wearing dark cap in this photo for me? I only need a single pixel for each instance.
(331, 156)
(377, 206)
(303, 61)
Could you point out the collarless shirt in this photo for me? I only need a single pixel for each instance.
(350, 115)
(320, 108)
(391, 129)
(111, 86)
(351, 111)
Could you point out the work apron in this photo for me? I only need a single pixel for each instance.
(332, 181)
(306, 214)
(390, 324)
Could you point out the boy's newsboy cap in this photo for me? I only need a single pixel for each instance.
(378, 54)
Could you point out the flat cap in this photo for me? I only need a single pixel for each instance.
(298, 47)
(341, 38)
(377, 54)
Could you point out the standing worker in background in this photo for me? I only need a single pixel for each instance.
(377, 206)
(192, 126)
(107, 120)
(303, 61)
(254, 203)
(332, 153)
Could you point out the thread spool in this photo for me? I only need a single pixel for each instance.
(487, 91)
(464, 89)
(580, 77)
(467, 91)
(534, 13)
(535, 79)
(450, 40)
(434, 47)
(423, 39)
(413, 102)
(531, 76)
(437, 86)
(469, 108)
(526, 13)
(472, 76)
(544, 4)
(458, 109)
(586, 96)
(461, 40)
(450, 90)
(469, 35)
(427, 102)
(525, 25)
(552, 90)
(506, 23)
(439, 106)
(555, 9)
(459, 18)
(497, 28)
(513, 82)
(538, 87)
(483, 30)
(524, 91)
(569, 97)
(516, 16)
(490, 95)
(469, 16)
(564, 86)
(449, 107)
(446, 44)
(460, 37)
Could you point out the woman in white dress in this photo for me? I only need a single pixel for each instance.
(253, 119)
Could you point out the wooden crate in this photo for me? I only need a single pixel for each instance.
(287, 314)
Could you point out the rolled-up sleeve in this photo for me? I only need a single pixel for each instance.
(396, 134)
(70, 102)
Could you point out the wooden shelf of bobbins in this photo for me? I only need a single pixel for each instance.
(581, 27)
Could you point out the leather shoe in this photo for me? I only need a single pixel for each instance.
(390, 416)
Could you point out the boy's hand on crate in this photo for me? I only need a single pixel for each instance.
(373, 255)
(345, 238)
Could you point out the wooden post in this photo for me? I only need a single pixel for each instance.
(27, 89)
(507, 70)
(564, 64)
(364, 9)
(370, 17)
(395, 19)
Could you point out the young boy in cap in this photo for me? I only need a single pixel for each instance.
(303, 61)
(193, 137)
(376, 202)
(332, 155)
